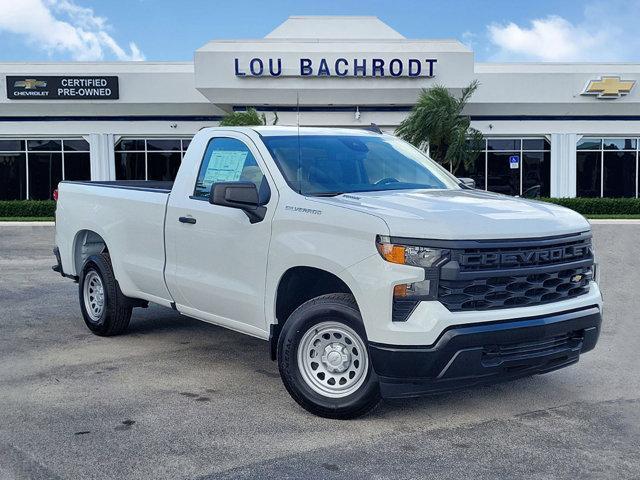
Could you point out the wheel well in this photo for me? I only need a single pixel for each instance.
(298, 285)
(87, 243)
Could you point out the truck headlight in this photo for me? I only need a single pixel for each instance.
(425, 257)
(428, 258)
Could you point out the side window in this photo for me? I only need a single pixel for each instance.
(226, 160)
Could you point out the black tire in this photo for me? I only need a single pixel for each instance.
(339, 308)
(116, 313)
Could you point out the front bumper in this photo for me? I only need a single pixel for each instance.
(483, 353)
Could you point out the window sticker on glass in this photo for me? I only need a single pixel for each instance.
(224, 166)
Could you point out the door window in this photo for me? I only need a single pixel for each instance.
(513, 166)
(32, 168)
(227, 160)
(607, 167)
(502, 177)
(589, 171)
(149, 158)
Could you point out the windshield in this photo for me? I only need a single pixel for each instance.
(334, 164)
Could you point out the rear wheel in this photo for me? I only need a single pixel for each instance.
(106, 311)
(323, 358)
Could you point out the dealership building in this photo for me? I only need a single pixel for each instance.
(551, 129)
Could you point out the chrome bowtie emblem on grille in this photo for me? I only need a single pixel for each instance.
(577, 278)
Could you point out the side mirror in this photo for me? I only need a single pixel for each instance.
(467, 182)
(241, 195)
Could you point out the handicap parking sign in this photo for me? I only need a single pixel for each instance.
(514, 161)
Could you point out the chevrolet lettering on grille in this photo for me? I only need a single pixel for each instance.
(526, 257)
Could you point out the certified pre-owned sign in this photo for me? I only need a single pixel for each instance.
(62, 88)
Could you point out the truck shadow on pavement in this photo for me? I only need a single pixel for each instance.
(216, 349)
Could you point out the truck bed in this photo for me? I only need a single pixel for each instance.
(128, 216)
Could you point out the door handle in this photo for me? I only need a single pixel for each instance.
(190, 220)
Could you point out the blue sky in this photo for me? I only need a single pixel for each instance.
(542, 30)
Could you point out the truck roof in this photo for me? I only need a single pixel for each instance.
(277, 130)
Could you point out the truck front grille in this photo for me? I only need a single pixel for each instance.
(493, 292)
(513, 255)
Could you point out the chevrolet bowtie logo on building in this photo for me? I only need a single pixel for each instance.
(30, 84)
(609, 87)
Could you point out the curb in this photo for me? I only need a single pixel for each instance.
(613, 221)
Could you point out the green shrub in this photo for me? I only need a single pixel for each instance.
(599, 206)
(585, 206)
(27, 208)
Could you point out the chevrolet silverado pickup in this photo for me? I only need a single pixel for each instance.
(371, 270)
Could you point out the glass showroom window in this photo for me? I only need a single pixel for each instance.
(149, 158)
(32, 168)
(607, 167)
(513, 166)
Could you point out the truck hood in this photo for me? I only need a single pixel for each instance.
(463, 214)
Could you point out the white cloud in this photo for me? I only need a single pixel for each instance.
(550, 39)
(62, 26)
(598, 36)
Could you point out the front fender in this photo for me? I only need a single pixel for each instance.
(331, 238)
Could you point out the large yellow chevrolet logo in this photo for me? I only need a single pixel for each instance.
(30, 83)
(609, 87)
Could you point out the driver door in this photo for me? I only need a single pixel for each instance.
(216, 258)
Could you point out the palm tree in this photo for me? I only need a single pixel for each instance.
(248, 118)
(437, 121)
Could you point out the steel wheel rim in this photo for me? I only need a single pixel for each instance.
(332, 359)
(93, 291)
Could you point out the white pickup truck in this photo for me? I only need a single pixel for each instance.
(371, 271)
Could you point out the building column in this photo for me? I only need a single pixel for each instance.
(563, 164)
(103, 166)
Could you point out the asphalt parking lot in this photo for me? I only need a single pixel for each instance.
(176, 398)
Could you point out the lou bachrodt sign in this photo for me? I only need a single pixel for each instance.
(339, 67)
(62, 88)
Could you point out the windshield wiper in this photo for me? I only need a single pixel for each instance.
(325, 194)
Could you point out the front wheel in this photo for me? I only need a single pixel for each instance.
(323, 358)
